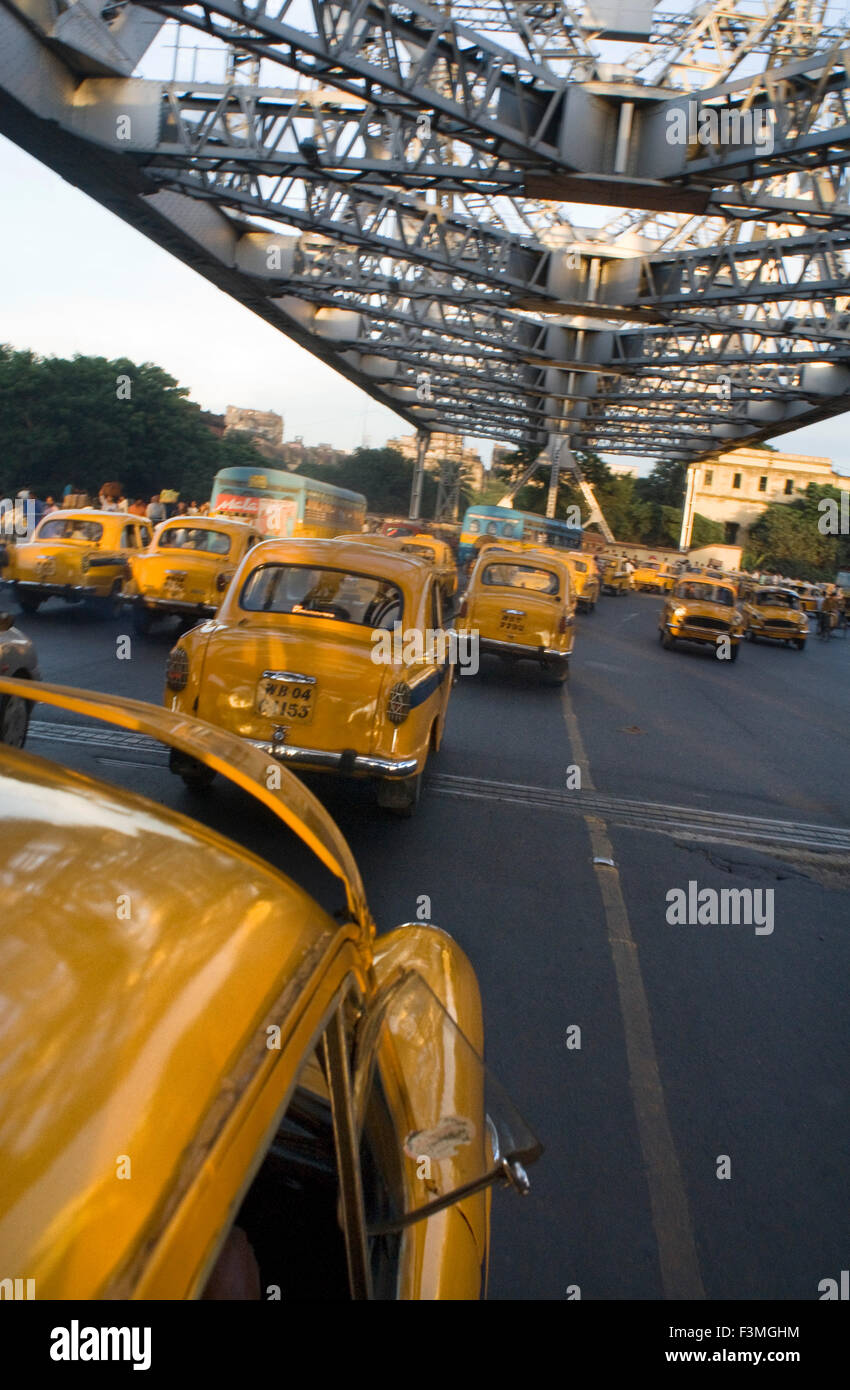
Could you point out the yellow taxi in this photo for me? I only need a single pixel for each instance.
(187, 568)
(653, 577)
(703, 610)
(776, 613)
(585, 579)
(521, 603)
(615, 577)
(213, 1086)
(320, 654)
(425, 547)
(80, 556)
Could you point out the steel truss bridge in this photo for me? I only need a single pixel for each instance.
(533, 221)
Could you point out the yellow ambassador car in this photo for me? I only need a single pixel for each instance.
(187, 568)
(319, 656)
(704, 611)
(80, 556)
(522, 603)
(436, 553)
(212, 1086)
(653, 578)
(615, 578)
(778, 614)
(585, 580)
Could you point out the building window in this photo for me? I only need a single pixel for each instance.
(731, 535)
(709, 477)
(736, 481)
(763, 483)
(789, 486)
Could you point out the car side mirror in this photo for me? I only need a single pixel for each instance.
(6, 621)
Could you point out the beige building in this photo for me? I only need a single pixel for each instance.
(262, 424)
(443, 446)
(736, 487)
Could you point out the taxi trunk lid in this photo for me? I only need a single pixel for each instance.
(521, 617)
(316, 680)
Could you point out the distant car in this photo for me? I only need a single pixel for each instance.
(616, 577)
(585, 579)
(296, 662)
(705, 611)
(81, 556)
(187, 567)
(778, 614)
(298, 1105)
(437, 553)
(18, 659)
(522, 603)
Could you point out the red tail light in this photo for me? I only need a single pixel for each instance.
(563, 623)
(177, 669)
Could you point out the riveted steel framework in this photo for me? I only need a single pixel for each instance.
(472, 213)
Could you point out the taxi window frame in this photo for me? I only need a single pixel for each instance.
(519, 588)
(327, 569)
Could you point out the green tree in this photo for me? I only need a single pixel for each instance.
(384, 476)
(787, 538)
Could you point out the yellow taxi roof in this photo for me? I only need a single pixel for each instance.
(139, 956)
(207, 522)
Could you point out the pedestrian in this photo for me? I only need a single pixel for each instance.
(109, 497)
(155, 510)
(138, 507)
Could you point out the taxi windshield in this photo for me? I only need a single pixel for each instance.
(194, 538)
(339, 595)
(422, 551)
(706, 593)
(521, 577)
(87, 532)
(777, 598)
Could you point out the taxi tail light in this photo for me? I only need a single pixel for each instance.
(398, 703)
(563, 624)
(177, 669)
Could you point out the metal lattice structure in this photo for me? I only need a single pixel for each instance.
(482, 213)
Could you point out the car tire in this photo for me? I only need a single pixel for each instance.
(400, 794)
(800, 643)
(733, 655)
(143, 620)
(28, 603)
(109, 608)
(197, 777)
(667, 642)
(559, 671)
(14, 717)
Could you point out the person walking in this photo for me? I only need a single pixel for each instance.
(155, 510)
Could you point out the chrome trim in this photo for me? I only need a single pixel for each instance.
(288, 676)
(362, 764)
(172, 605)
(494, 645)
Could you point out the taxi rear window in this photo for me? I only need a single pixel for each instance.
(194, 538)
(521, 577)
(777, 598)
(339, 595)
(421, 550)
(68, 530)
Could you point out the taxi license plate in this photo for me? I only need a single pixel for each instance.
(512, 622)
(293, 700)
(174, 585)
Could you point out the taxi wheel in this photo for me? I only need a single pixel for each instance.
(111, 606)
(197, 777)
(559, 672)
(800, 643)
(400, 795)
(14, 719)
(733, 655)
(28, 603)
(667, 642)
(142, 621)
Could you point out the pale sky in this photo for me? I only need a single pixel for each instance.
(75, 278)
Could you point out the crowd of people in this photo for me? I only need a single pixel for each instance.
(110, 498)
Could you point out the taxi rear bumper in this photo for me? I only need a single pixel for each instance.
(345, 761)
(519, 650)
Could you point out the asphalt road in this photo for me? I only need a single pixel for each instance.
(705, 1049)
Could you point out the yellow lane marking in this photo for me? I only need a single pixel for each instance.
(671, 1218)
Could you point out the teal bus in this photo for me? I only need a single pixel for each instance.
(503, 523)
(286, 504)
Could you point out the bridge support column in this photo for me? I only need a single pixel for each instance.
(422, 438)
